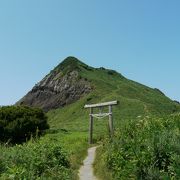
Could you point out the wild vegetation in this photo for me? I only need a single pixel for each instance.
(19, 123)
(34, 160)
(56, 155)
(145, 146)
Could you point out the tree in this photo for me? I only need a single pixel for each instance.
(19, 123)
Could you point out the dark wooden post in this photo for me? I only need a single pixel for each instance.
(111, 121)
(91, 126)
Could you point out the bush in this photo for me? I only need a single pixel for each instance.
(146, 148)
(37, 160)
(19, 123)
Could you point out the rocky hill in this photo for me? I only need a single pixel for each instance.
(60, 87)
(72, 80)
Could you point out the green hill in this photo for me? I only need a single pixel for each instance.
(134, 99)
(71, 80)
(72, 84)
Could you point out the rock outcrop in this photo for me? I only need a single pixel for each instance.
(60, 87)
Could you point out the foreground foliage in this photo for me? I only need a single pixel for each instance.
(54, 156)
(19, 123)
(145, 148)
(34, 160)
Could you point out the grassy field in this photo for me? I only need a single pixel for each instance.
(142, 148)
(146, 143)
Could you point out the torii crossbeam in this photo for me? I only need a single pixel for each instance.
(100, 115)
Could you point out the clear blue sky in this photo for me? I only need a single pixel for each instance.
(138, 38)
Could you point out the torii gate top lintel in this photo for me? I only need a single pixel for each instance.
(101, 104)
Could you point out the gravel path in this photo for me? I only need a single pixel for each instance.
(86, 171)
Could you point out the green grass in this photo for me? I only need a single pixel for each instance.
(69, 125)
(100, 166)
(135, 100)
(54, 156)
(34, 160)
(143, 148)
(74, 143)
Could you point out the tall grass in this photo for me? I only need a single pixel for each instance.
(55, 156)
(145, 148)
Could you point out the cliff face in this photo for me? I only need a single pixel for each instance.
(60, 87)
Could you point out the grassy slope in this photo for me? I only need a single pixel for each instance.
(135, 100)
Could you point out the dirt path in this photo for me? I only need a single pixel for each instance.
(86, 171)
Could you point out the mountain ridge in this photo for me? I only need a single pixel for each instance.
(72, 80)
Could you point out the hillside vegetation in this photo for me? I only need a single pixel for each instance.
(146, 143)
(142, 148)
(134, 99)
(19, 123)
(71, 80)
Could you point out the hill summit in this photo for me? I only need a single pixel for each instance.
(60, 87)
(73, 80)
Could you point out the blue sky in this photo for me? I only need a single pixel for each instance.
(138, 38)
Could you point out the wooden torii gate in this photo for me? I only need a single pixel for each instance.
(100, 115)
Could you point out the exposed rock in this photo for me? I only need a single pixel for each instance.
(57, 89)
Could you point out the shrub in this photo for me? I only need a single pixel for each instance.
(111, 72)
(146, 148)
(19, 123)
(35, 160)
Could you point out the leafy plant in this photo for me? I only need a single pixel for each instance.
(34, 160)
(19, 123)
(145, 148)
